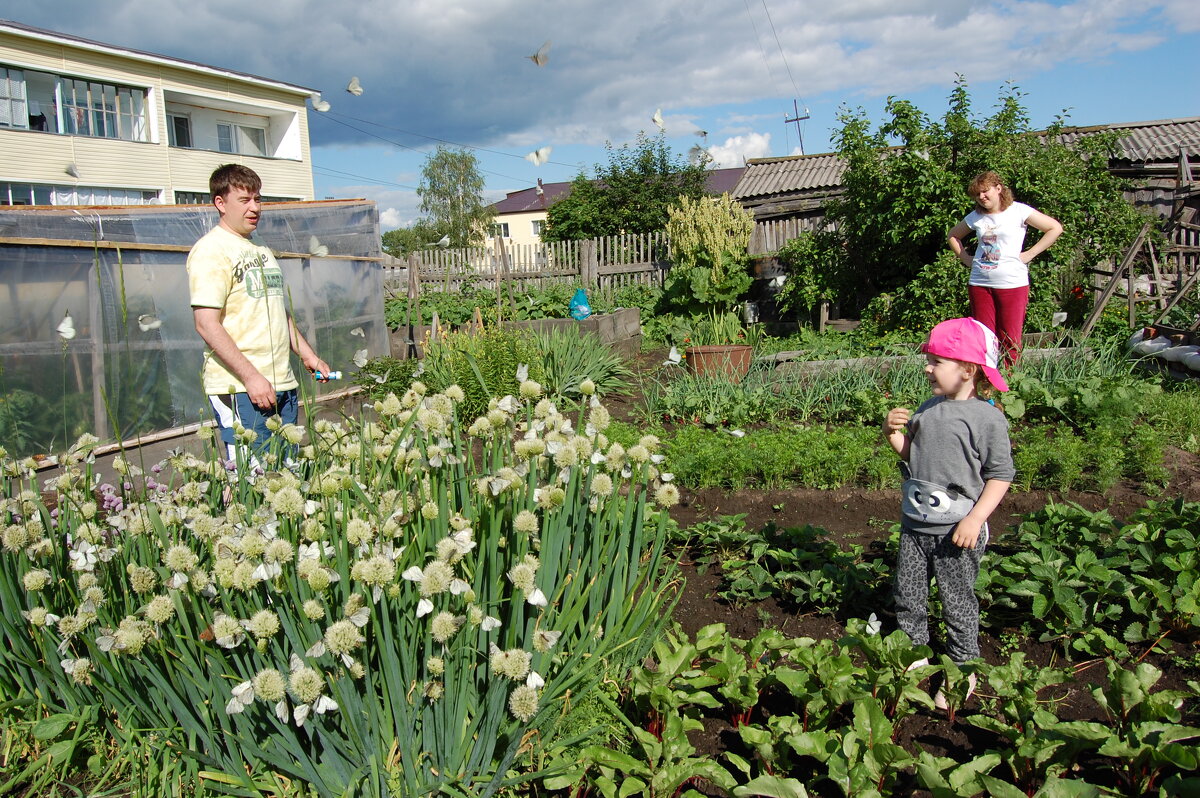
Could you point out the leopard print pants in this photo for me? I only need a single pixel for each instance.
(955, 570)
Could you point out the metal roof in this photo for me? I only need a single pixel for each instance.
(1158, 140)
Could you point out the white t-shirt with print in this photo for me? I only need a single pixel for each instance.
(1000, 238)
(242, 279)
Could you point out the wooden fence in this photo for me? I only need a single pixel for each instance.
(609, 262)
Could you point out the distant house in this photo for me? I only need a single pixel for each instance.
(83, 123)
(521, 216)
(787, 195)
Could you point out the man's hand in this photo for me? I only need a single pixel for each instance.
(316, 365)
(261, 392)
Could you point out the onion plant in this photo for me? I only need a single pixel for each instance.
(398, 612)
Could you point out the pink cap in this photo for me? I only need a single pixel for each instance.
(970, 341)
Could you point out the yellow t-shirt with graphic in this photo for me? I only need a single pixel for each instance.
(242, 279)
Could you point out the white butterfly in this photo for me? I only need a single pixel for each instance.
(243, 696)
(359, 331)
(535, 680)
(539, 156)
(444, 241)
(737, 433)
(360, 618)
(354, 87)
(547, 639)
(538, 188)
(673, 358)
(66, 329)
(1058, 319)
(148, 322)
(489, 623)
(658, 119)
(458, 587)
(424, 607)
(317, 649)
(360, 358)
(413, 573)
(542, 55)
(537, 598)
(522, 372)
(874, 624)
(315, 247)
(382, 378)
(317, 103)
(73, 170)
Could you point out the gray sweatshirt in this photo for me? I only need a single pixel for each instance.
(959, 444)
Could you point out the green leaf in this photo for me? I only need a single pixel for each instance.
(773, 787)
(51, 727)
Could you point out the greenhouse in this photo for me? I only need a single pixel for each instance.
(128, 362)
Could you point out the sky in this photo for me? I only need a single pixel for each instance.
(724, 73)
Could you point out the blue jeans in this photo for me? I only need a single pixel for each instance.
(238, 407)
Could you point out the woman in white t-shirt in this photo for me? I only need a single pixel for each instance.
(999, 284)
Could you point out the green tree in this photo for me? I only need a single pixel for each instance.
(631, 194)
(451, 192)
(417, 236)
(905, 186)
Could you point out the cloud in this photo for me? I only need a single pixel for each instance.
(456, 70)
(390, 219)
(737, 149)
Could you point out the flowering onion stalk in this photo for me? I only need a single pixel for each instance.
(396, 599)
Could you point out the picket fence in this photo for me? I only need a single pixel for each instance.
(607, 263)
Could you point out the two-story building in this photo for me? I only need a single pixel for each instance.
(87, 123)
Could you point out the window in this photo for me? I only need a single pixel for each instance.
(241, 139)
(538, 226)
(36, 194)
(500, 230)
(103, 110)
(12, 98)
(179, 130)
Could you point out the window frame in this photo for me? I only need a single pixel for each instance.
(172, 134)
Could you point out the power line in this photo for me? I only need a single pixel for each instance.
(330, 117)
(780, 46)
(440, 140)
(762, 50)
(338, 173)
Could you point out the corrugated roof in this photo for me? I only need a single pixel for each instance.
(527, 199)
(767, 176)
(1158, 140)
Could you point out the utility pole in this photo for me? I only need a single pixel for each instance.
(798, 118)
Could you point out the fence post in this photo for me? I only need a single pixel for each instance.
(588, 265)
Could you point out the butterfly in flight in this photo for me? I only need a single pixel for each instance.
(542, 55)
(317, 103)
(354, 87)
(539, 156)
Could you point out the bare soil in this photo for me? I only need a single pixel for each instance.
(857, 515)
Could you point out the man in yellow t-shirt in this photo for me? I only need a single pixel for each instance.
(240, 311)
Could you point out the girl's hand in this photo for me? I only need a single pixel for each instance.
(966, 534)
(896, 420)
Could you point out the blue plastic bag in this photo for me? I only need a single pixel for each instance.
(580, 309)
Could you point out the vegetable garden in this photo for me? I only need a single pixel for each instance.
(468, 589)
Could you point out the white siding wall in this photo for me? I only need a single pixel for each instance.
(37, 157)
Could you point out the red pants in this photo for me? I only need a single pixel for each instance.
(1001, 310)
